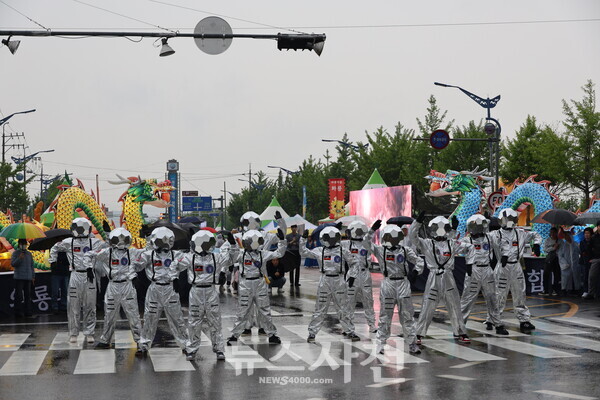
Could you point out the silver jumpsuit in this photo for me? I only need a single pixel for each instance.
(440, 285)
(481, 279)
(363, 284)
(511, 243)
(253, 290)
(161, 296)
(332, 286)
(82, 293)
(117, 266)
(395, 290)
(203, 273)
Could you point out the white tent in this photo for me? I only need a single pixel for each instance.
(269, 213)
(295, 220)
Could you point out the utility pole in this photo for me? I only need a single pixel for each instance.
(6, 146)
(224, 204)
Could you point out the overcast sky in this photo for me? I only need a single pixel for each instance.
(113, 106)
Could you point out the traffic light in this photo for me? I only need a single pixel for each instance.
(295, 42)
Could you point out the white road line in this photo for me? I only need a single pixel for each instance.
(124, 339)
(479, 327)
(96, 362)
(394, 353)
(459, 351)
(169, 359)
(469, 364)
(594, 323)
(573, 341)
(525, 348)
(456, 377)
(242, 357)
(24, 363)
(322, 336)
(567, 395)
(12, 341)
(316, 356)
(61, 342)
(549, 327)
(387, 381)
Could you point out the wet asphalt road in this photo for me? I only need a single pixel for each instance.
(560, 359)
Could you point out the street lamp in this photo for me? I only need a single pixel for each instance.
(2, 122)
(493, 128)
(24, 160)
(287, 171)
(213, 35)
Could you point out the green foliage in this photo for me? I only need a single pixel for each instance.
(535, 150)
(582, 124)
(464, 155)
(12, 191)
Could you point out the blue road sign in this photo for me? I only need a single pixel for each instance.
(201, 203)
(439, 139)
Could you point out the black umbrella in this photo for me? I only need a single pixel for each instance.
(53, 236)
(587, 218)
(555, 216)
(189, 227)
(191, 220)
(180, 233)
(401, 220)
(317, 231)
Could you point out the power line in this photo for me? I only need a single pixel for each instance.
(32, 20)
(123, 15)
(265, 26)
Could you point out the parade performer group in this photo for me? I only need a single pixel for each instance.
(345, 275)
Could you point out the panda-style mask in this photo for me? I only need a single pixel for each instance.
(439, 228)
(81, 228)
(162, 239)
(357, 230)
(391, 236)
(250, 221)
(203, 242)
(120, 238)
(477, 225)
(252, 240)
(508, 218)
(330, 236)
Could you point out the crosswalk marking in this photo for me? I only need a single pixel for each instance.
(479, 327)
(594, 323)
(556, 329)
(302, 331)
(24, 363)
(566, 395)
(61, 342)
(456, 377)
(124, 340)
(525, 348)
(169, 359)
(394, 353)
(459, 351)
(574, 341)
(96, 362)
(12, 341)
(469, 364)
(310, 354)
(242, 357)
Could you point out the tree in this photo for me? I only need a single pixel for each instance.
(536, 150)
(464, 155)
(12, 191)
(434, 120)
(582, 124)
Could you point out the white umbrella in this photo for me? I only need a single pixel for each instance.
(347, 220)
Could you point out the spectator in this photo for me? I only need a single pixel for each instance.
(59, 280)
(584, 258)
(276, 274)
(568, 259)
(551, 266)
(24, 276)
(594, 274)
(294, 258)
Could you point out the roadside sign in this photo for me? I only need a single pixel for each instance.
(189, 193)
(439, 139)
(196, 203)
